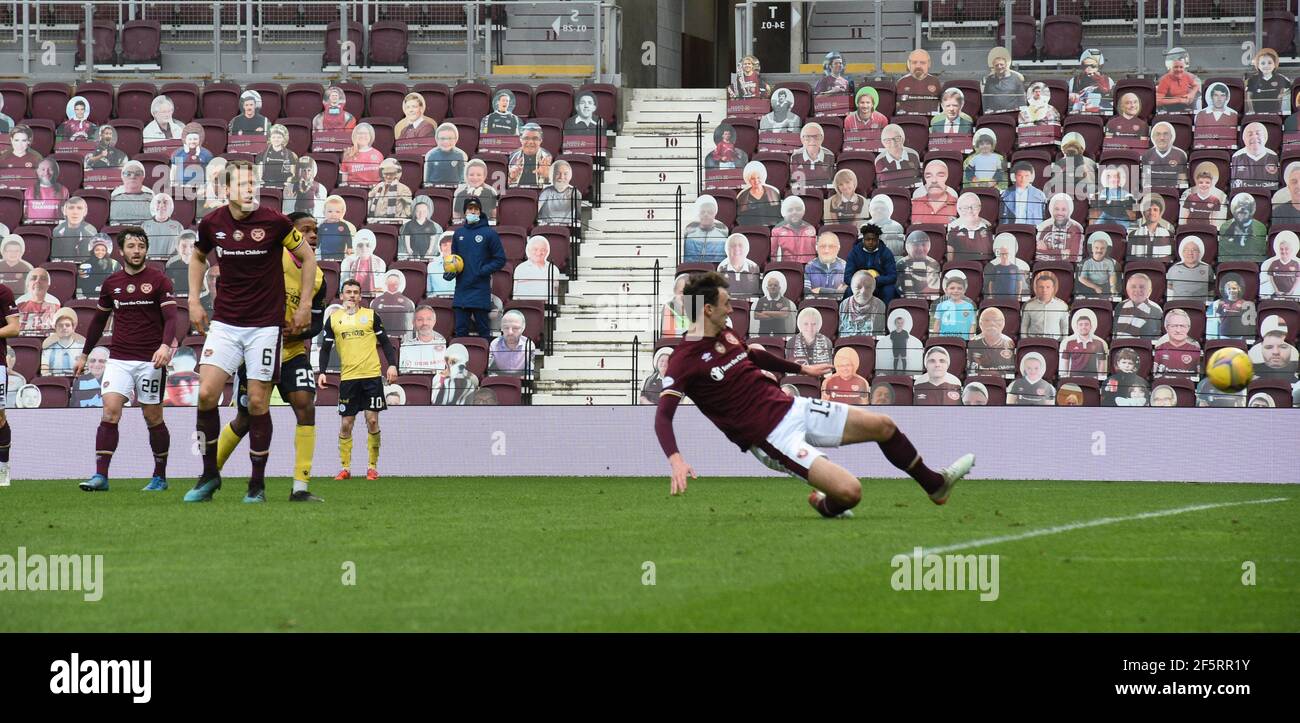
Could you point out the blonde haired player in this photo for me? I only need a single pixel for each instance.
(296, 384)
(356, 330)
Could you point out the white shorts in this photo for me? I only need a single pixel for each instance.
(810, 423)
(139, 381)
(257, 347)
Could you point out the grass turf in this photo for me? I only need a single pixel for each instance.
(547, 554)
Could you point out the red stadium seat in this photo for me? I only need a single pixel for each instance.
(996, 386)
(42, 134)
(1049, 348)
(299, 134)
(863, 166)
(523, 99)
(105, 43)
(130, 135)
(1195, 310)
(70, 170)
(916, 132)
(865, 346)
(49, 101)
(901, 386)
(552, 134)
(388, 44)
(1062, 36)
(185, 96)
(63, 279)
(739, 317)
(1155, 270)
(220, 100)
(304, 100)
(778, 168)
(760, 245)
(1064, 272)
(972, 103)
(27, 356)
(11, 206)
(437, 99)
(559, 238)
(1279, 31)
(1288, 311)
(133, 99)
(327, 170)
(417, 388)
(55, 391)
(214, 134)
(96, 205)
(385, 100)
(100, 96)
(14, 94)
(142, 42)
(468, 140)
(384, 137)
(807, 386)
(553, 100)
(508, 389)
(272, 99)
(37, 239)
(1146, 359)
(356, 199)
(1103, 310)
(771, 344)
(471, 100)
(1023, 29)
(333, 36)
(1184, 389)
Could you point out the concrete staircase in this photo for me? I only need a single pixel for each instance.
(614, 299)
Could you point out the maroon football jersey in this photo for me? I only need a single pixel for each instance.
(718, 375)
(252, 277)
(8, 308)
(139, 303)
(917, 97)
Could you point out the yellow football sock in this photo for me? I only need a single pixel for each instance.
(226, 445)
(373, 443)
(304, 446)
(345, 452)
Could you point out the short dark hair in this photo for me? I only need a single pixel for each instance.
(871, 228)
(350, 282)
(702, 289)
(131, 231)
(297, 216)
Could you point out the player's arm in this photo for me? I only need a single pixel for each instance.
(96, 331)
(198, 267)
(764, 359)
(13, 325)
(307, 277)
(668, 401)
(326, 346)
(318, 304)
(386, 344)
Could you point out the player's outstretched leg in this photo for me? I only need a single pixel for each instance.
(864, 426)
(4, 450)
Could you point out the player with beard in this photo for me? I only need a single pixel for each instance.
(725, 379)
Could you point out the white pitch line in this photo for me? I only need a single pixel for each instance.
(1081, 525)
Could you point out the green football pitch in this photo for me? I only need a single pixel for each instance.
(550, 554)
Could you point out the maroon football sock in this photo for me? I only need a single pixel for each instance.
(4, 443)
(105, 446)
(160, 440)
(828, 507)
(899, 451)
(209, 429)
(259, 444)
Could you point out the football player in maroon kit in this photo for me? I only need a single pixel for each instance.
(140, 297)
(12, 325)
(247, 318)
(726, 380)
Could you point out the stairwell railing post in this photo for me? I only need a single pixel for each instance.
(636, 352)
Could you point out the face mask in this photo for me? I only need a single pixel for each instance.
(471, 218)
